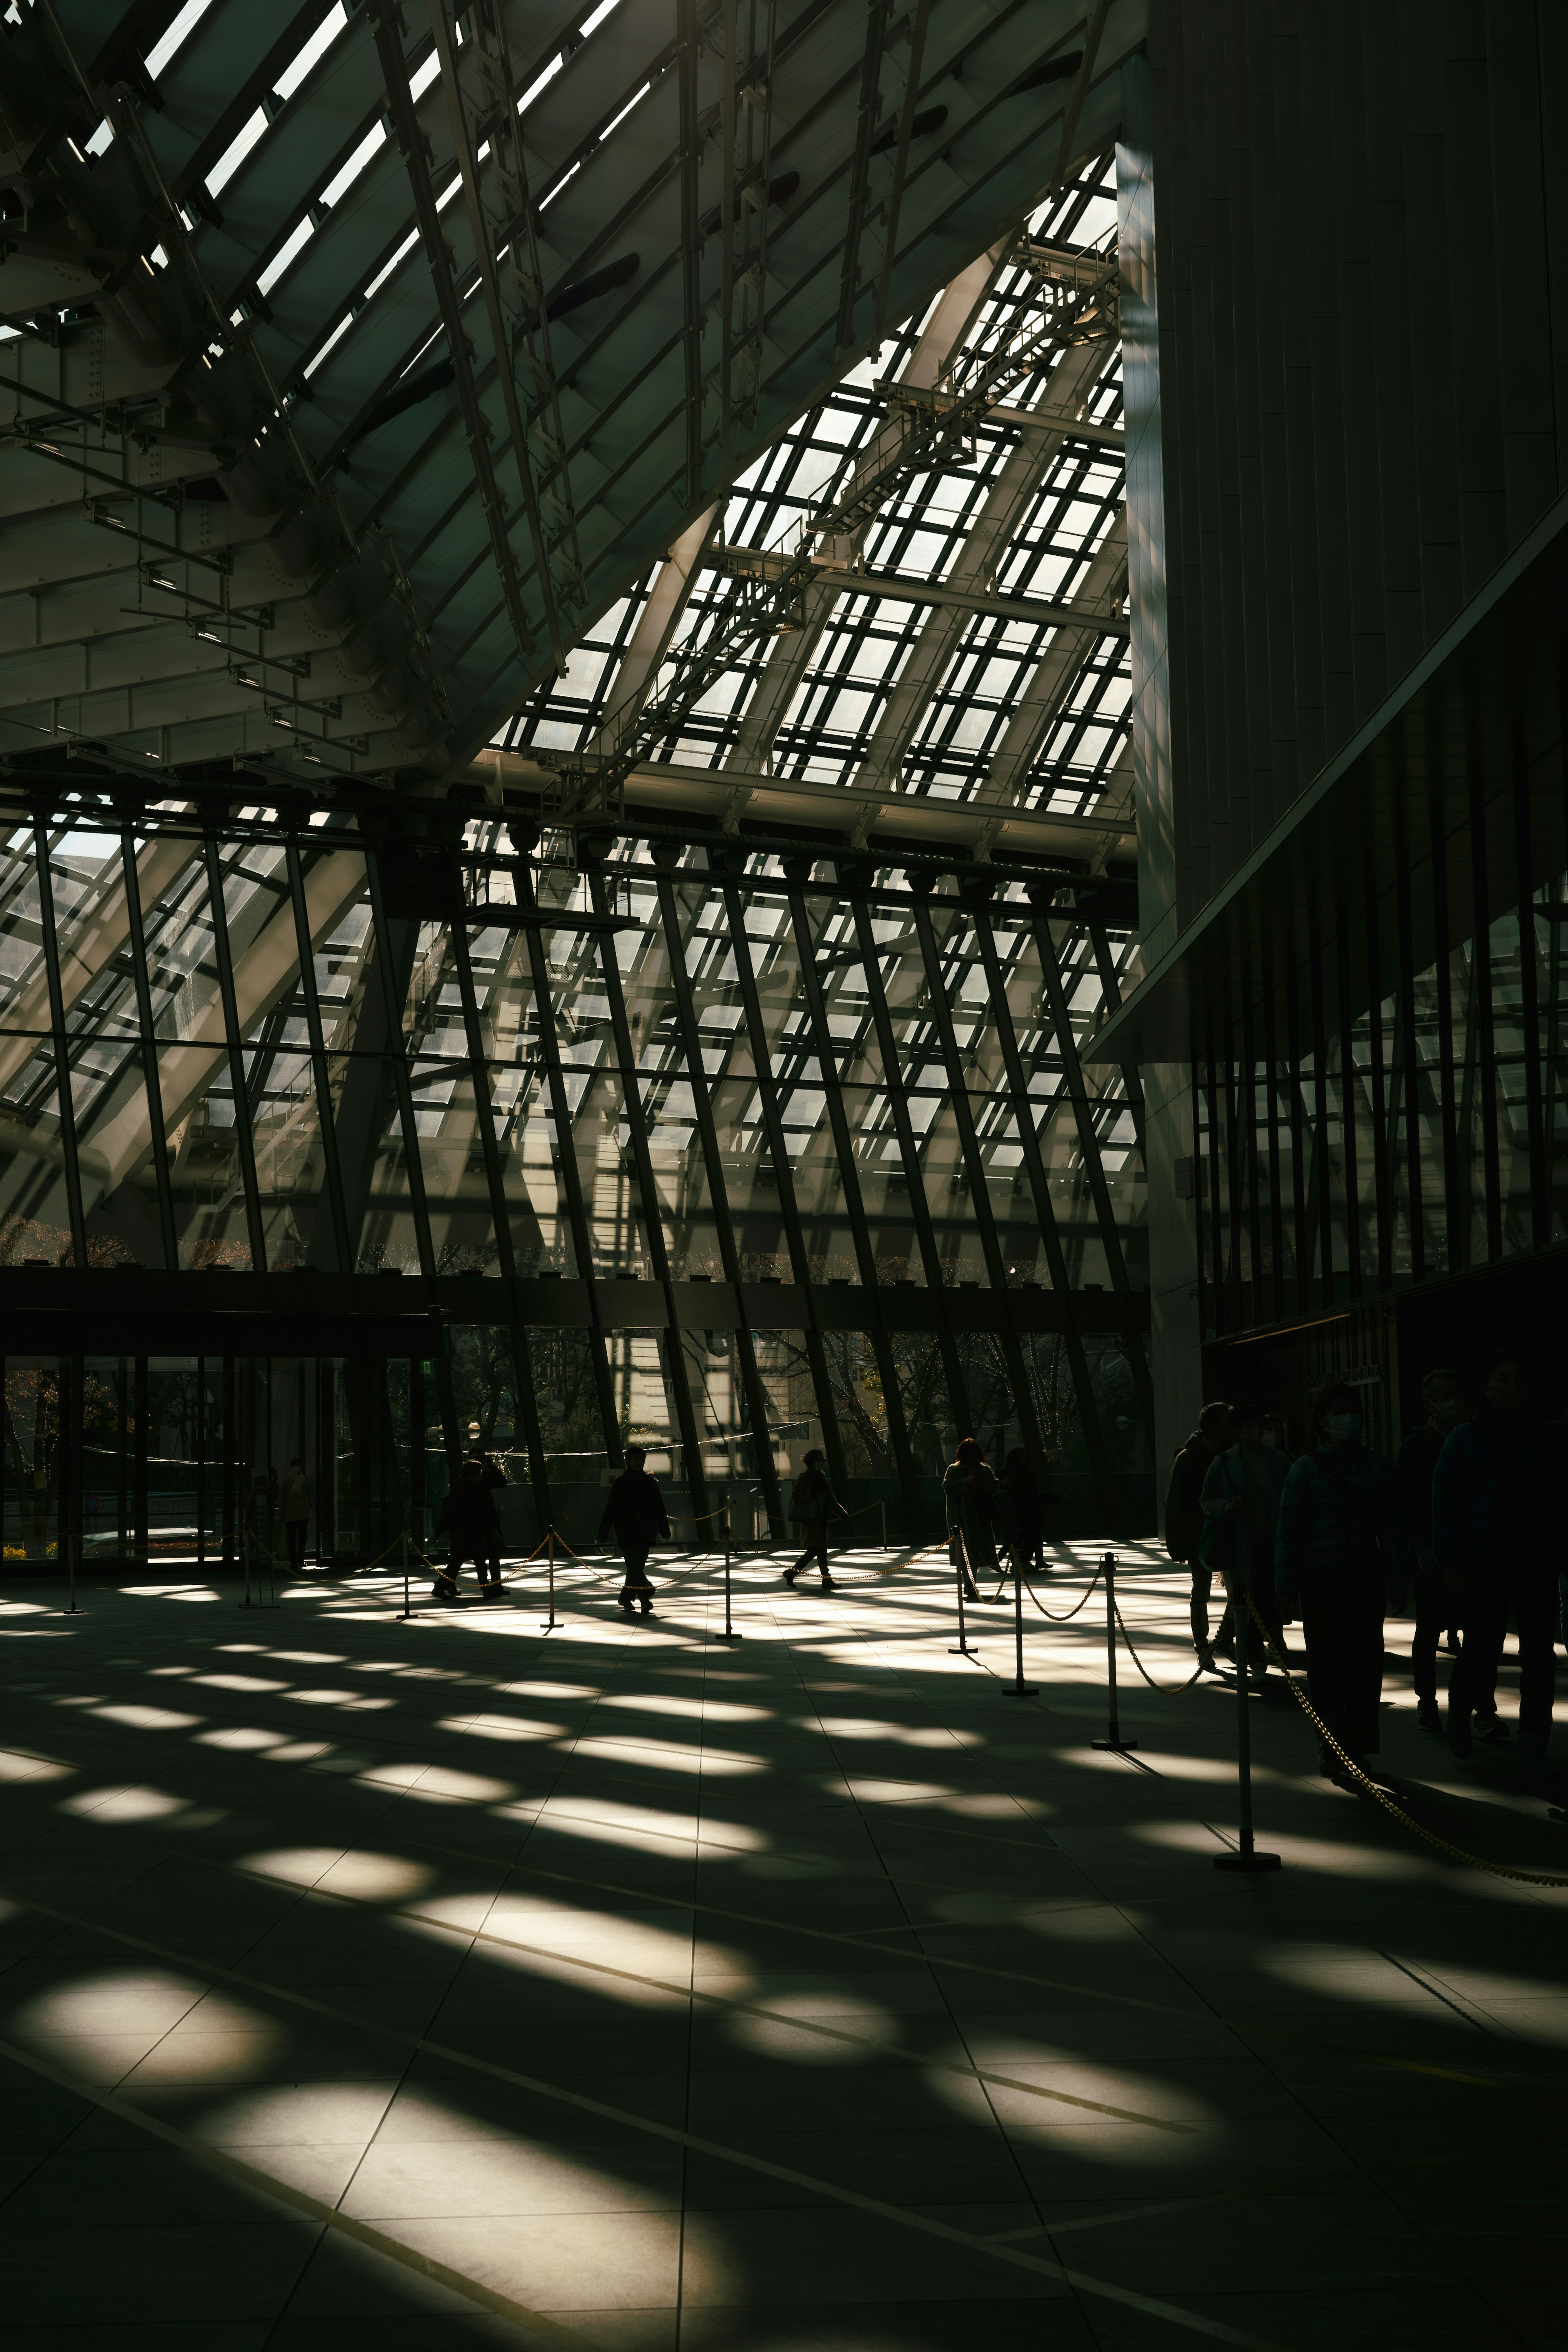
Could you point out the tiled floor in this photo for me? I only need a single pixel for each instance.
(437, 1983)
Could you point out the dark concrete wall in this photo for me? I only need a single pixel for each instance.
(1355, 270)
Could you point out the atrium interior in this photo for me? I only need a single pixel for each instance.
(765, 738)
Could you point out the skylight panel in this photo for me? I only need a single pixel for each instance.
(339, 186)
(229, 164)
(320, 40)
(184, 24)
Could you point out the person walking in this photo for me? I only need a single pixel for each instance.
(1490, 1538)
(1340, 1551)
(1184, 1518)
(970, 1489)
(1435, 1597)
(472, 1525)
(635, 1515)
(294, 1510)
(812, 1503)
(1241, 1495)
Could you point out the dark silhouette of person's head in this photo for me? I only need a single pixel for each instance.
(1213, 1422)
(815, 1458)
(636, 1456)
(970, 1454)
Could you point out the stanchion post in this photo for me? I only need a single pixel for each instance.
(407, 1604)
(963, 1647)
(71, 1564)
(884, 1526)
(1113, 1741)
(552, 1621)
(729, 1634)
(1247, 1857)
(245, 1556)
(1018, 1687)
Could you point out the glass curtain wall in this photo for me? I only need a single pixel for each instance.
(646, 1089)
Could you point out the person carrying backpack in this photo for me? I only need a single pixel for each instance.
(811, 1504)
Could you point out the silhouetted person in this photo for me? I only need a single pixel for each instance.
(1020, 1513)
(812, 1503)
(495, 1478)
(1185, 1516)
(635, 1515)
(970, 1490)
(294, 1510)
(1244, 1485)
(1435, 1599)
(1276, 1438)
(1492, 1509)
(469, 1521)
(1340, 1549)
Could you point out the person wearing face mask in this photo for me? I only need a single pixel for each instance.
(1488, 1531)
(1242, 1491)
(1275, 1438)
(1442, 1394)
(1340, 1551)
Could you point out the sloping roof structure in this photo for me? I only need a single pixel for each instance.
(367, 357)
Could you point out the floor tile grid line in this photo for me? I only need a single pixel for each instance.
(924, 2224)
(299, 2202)
(1379, 2189)
(852, 1940)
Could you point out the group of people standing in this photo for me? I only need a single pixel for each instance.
(1332, 1538)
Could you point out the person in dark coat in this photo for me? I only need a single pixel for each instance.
(1185, 1516)
(635, 1515)
(1020, 1510)
(1487, 1521)
(1339, 1553)
(811, 1504)
(472, 1525)
(495, 1477)
(1244, 1485)
(1437, 1601)
(971, 1492)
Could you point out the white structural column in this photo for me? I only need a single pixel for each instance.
(792, 655)
(1060, 666)
(1007, 501)
(657, 625)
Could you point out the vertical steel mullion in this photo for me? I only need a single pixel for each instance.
(151, 1070)
(1530, 1003)
(1276, 1203)
(1300, 1220)
(822, 1039)
(484, 1117)
(1481, 975)
(1216, 1201)
(1249, 1158)
(138, 1416)
(1072, 1068)
(1325, 1202)
(653, 1221)
(307, 958)
(1382, 1113)
(1405, 921)
(697, 1078)
(1111, 989)
(244, 1131)
(570, 1175)
(418, 1207)
(1349, 1120)
(975, 1167)
(1456, 1211)
(1040, 1185)
(909, 1153)
(783, 1174)
(75, 1212)
(1235, 1212)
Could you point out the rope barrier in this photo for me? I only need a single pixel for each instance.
(1053, 1617)
(1458, 1853)
(1165, 1690)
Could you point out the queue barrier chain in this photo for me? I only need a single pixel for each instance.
(1395, 1810)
